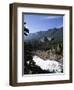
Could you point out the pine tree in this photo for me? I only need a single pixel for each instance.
(26, 30)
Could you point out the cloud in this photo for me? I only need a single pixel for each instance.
(52, 17)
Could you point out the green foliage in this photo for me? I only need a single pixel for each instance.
(26, 30)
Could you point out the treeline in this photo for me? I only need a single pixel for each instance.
(38, 45)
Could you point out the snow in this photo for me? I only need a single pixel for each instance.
(50, 65)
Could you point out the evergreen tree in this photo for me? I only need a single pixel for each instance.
(45, 39)
(26, 30)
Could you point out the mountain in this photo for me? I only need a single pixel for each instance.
(51, 35)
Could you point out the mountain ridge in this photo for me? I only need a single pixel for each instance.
(55, 33)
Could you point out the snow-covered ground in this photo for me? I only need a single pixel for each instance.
(49, 65)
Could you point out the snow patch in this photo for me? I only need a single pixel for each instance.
(50, 65)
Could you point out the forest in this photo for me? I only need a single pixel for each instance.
(47, 45)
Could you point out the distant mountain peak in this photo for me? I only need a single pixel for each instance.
(55, 34)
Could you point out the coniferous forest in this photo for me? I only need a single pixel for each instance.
(47, 45)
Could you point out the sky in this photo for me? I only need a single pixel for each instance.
(36, 22)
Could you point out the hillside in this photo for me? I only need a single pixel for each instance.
(54, 34)
(47, 45)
